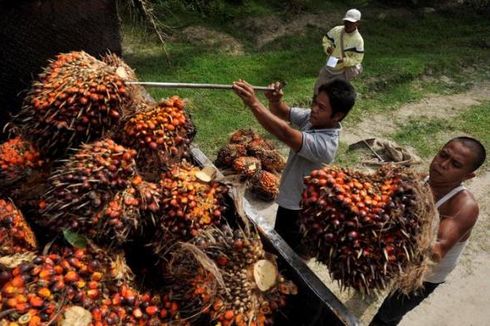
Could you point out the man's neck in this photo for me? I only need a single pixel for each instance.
(441, 189)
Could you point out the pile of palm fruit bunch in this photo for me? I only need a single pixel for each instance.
(228, 274)
(39, 291)
(76, 99)
(189, 204)
(16, 235)
(255, 159)
(87, 182)
(372, 231)
(116, 170)
(161, 134)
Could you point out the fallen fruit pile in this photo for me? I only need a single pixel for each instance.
(367, 228)
(255, 160)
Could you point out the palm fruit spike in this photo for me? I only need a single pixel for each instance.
(246, 166)
(265, 185)
(17, 158)
(42, 289)
(160, 133)
(76, 99)
(16, 235)
(87, 181)
(367, 229)
(188, 204)
(129, 212)
(227, 154)
(234, 293)
(270, 160)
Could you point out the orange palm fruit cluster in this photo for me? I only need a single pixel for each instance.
(248, 154)
(189, 204)
(16, 235)
(265, 185)
(129, 213)
(161, 134)
(238, 300)
(84, 184)
(364, 227)
(76, 99)
(17, 157)
(64, 277)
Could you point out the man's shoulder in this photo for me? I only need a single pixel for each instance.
(464, 204)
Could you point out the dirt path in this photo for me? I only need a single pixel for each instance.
(437, 106)
(465, 297)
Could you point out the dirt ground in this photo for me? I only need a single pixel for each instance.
(465, 297)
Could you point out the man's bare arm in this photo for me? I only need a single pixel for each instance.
(462, 215)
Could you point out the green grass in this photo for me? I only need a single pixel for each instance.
(399, 52)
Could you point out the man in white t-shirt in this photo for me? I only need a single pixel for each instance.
(345, 45)
(313, 138)
(455, 163)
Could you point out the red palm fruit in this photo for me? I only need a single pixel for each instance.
(227, 154)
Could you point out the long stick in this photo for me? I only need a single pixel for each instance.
(193, 85)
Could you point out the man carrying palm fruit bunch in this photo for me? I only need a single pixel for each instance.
(455, 163)
(313, 144)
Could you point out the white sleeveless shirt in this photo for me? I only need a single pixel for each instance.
(440, 271)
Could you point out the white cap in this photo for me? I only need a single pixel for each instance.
(352, 15)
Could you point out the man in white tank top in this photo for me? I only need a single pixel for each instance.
(455, 163)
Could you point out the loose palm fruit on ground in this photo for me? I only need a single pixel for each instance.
(188, 204)
(232, 292)
(16, 235)
(265, 185)
(76, 99)
(160, 133)
(246, 166)
(228, 154)
(367, 228)
(84, 184)
(18, 158)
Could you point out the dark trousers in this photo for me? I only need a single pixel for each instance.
(287, 227)
(396, 305)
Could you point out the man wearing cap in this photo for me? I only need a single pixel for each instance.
(345, 47)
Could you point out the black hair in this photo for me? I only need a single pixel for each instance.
(476, 146)
(341, 94)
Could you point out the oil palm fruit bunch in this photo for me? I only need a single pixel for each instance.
(258, 143)
(39, 290)
(75, 99)
(188, 203)
(246, 166)
(265, 185)
(367, 228)
(271, 160)
(16, 235)
(243, 136)
(160, 133)
(84, 184)
(127, 214)
(18, 158)
(238, 281)
(227, 154)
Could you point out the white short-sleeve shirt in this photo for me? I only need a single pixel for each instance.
(319, 147)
